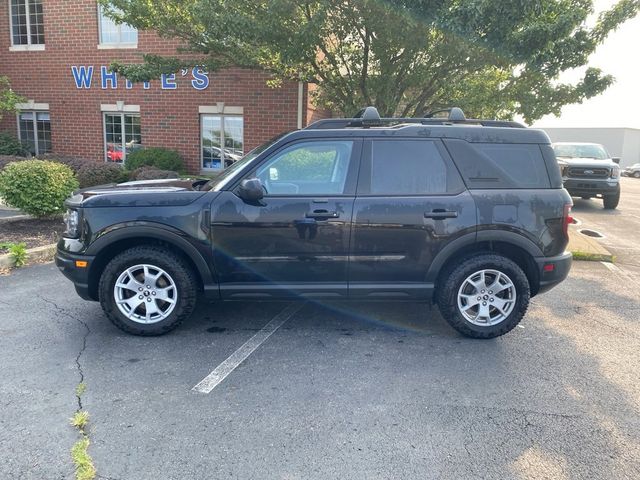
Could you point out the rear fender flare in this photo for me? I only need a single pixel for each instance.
(469, 239)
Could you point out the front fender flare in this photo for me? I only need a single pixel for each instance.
(168, 234)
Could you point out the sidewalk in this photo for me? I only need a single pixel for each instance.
(587, 248)
(8, 213)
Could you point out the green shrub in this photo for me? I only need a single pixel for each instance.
(152, 173)
(92, 174)
(10, 145)
(7, 159)
(37, 187)
(160, 158)
(74, 163)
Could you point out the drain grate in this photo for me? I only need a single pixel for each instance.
(591, 233)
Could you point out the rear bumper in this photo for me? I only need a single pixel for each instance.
(550, 278)
(585, 186)
(66, 262)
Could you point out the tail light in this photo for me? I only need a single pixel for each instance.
(567, 219)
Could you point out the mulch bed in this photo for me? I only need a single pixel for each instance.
(35, 232)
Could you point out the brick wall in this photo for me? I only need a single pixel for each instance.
(169, 118)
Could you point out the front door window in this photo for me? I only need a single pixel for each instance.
(309, 168)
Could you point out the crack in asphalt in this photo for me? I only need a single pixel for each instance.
(65, 312)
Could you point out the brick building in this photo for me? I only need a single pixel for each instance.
(57, 53)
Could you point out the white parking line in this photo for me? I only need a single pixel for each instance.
(223, 370)
(611, 267)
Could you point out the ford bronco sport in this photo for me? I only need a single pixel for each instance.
(589, 171)
(470, 214)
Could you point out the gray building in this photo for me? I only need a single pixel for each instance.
(620, 142)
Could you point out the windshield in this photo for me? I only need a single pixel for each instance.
(581, 151)
(236, 166)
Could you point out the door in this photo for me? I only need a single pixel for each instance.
(296, 240)
(410, 203)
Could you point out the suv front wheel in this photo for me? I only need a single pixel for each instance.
(147, 290)
(484, 296)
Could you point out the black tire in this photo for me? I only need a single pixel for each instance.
(611, 201)
(453, 278)
(182, 275)
(636, 174)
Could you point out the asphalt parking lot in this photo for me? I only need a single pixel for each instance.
(348, 391)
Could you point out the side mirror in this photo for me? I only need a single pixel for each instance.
(251, 190)
(616, 160)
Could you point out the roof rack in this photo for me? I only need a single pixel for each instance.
(369, 117)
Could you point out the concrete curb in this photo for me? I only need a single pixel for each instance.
(45, 252)
(587, 248)
(16, 217)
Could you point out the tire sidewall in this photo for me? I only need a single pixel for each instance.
(470, 266)
(165, 260)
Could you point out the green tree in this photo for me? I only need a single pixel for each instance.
(493, 58)
(8, 98)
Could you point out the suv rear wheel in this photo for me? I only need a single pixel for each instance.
(484, 296)
(147, 290)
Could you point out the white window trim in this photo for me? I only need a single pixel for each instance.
(112, 46)
(223, 111)
(122, 112)
(38, 47)
(31, 105)
(119, 107)
(34, 108)
(220, 109)
(117, 46)
(29, 45)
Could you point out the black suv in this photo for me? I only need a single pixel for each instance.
(470, 214)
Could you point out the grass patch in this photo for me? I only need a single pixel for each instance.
(592, 257)
(80, 389)
(80, 420)
(85, 469)
(17, 252)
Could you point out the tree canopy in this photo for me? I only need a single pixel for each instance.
(8, 98)
(493, 58)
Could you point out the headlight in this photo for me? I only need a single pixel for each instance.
(72, 221)
(615, 172)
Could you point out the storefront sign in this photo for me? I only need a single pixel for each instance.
(83, 77)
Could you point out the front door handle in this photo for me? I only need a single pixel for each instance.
(441, 213)
(322, 214)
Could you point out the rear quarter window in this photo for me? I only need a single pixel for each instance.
(500, 165)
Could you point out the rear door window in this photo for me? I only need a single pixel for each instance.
(408, 167)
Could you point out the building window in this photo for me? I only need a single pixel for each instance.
(121, 135)
(114, 34)
(27, 23)
(34, 129)
(222, 140)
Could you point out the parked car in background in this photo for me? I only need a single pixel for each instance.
(589, 171)
(632, 171)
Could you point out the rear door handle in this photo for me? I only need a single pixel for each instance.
(322, 214)
(441, 213)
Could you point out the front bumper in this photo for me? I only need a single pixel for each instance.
(584, 186)
(66, 262)
(550, 278)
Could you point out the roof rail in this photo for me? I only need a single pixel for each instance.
(369, 117)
